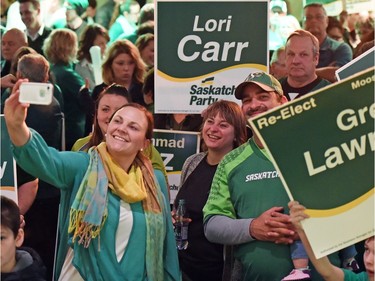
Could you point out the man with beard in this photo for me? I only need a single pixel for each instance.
(247, 201)
(302, 57)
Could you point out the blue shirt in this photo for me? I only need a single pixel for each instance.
(334, 53)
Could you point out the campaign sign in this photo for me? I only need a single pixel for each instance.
(360, 63)
(205, 49)
(323, 147)
(8, 176)
(175, 147)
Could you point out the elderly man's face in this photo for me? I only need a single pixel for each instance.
(10, 43)
(300, 60)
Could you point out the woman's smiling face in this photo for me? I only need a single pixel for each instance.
(218, 134)
(126, 133)
(108, 104)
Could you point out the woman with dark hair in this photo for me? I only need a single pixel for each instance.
(110, 100)
(93, 35)
(224, 128)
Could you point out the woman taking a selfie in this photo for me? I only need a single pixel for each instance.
(114, 217)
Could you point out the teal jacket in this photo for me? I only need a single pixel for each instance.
(66, 171)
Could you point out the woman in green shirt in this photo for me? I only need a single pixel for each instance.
(113, 213)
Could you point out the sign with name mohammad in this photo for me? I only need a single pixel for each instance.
(175, 147)
(205, 49)
(323, 147)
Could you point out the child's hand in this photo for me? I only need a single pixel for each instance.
(297, 214)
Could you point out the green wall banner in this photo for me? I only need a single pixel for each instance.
(8, 176)
(323, 147)
(175, 147)
(205, 49)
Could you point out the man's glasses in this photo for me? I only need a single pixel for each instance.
(317, 17)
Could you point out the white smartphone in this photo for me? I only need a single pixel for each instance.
(36, 93)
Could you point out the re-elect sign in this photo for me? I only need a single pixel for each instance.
(205, 49)
(323, 145)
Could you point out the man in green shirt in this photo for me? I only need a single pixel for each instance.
(247, 199)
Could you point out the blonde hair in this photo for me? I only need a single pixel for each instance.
(61, 46)
(123, 47)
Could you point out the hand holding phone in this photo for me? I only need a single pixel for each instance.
(36, 93)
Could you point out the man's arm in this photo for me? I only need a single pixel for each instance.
(324, 267)
(228, 231)
(272, 226)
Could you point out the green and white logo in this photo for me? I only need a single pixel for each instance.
(205, 49)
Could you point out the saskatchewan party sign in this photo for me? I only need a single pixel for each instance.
(205, 49)
(323, 147)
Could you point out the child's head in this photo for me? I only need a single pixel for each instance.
(368, 257)
(11, 233)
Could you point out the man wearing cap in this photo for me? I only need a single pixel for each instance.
(74, 11)
(281, 24)
(247, 199)
(302, 57)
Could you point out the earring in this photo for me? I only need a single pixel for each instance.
(141, 150)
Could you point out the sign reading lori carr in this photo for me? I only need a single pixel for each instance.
(205, 49)
(323, 147)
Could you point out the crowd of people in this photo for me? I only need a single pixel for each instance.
(91, 181)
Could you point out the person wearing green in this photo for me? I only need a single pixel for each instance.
(60, 49)
(247, 198)
(108, 101)
(115, 221)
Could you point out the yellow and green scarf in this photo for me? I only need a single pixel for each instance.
(89, 209)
